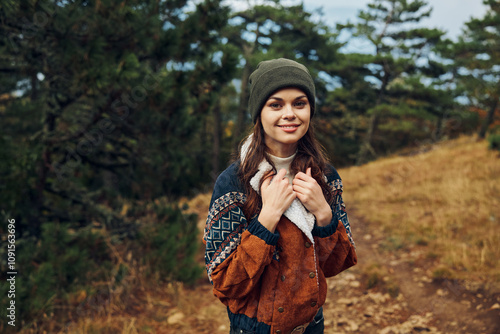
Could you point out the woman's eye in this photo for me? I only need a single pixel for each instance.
(275, 105)
(300, 103)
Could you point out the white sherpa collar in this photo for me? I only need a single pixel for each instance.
(296, 212)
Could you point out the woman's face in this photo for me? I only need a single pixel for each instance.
(285, 118)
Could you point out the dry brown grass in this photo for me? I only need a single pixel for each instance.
(445, 200)
(155, 308)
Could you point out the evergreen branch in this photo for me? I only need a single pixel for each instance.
(6, 100)
(60, 216)
(64, 195)
(387, 22)
(11, 70)
(122, 144)
(64, 104)
(107, 166)
(82, 132)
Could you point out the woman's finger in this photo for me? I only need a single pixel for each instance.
(300, 189)
(303, 176)
(299, 182)
(301, 197)
(281, 174)
(266, 182)
(292, 195)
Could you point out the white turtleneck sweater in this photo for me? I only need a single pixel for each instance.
(285, 163)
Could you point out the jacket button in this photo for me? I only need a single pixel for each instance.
(312, 274)
(278, 332)
(281, 309)
(308, 244)
(313, 304)
(283, 278)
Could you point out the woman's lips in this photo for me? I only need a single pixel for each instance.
(289, 127)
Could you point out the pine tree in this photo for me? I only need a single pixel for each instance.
(101, 101)
(476, 56)
(400, 49)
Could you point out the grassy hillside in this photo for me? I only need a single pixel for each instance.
(444, 200)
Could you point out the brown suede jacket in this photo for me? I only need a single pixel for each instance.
(272, 282)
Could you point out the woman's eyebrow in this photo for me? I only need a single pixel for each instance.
(280, 99)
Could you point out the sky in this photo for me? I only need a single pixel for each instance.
(448, 15)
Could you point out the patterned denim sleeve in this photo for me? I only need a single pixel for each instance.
(337, 252)
(224, 226)
(338, 208)
(339, 211)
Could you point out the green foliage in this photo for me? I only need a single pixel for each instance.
(169, 246)
(443, 273)
(494, 141)
(474, 60)
(393, 243)
(384, 90)
(377, 276)
(105, 100)
(60, 262)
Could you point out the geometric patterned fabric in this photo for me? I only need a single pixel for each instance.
(340, 211)
(224, 226)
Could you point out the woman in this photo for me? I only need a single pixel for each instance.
(272, 233)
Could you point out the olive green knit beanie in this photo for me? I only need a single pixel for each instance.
(272, 75)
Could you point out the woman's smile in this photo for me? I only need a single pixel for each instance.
(289, 127)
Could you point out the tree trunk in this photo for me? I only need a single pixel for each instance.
(42, 171)
(242, 108)
(217, 136)
(436, 135)
(34, 87)
(248, 50)
(488, 120)
(366, 145)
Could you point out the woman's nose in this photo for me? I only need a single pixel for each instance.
(288, 112)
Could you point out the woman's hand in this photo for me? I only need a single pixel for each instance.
(276, 198)
(310, 194)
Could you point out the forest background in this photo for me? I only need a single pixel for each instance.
(113, 111)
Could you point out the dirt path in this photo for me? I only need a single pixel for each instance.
(387, 292)
(421, 305)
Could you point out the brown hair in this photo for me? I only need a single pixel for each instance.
(310, 153)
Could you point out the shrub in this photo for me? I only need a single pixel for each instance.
(171, 244)
(377, 276)
(49, 269)
(494, 141)
(374, 275)
(442, 273)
